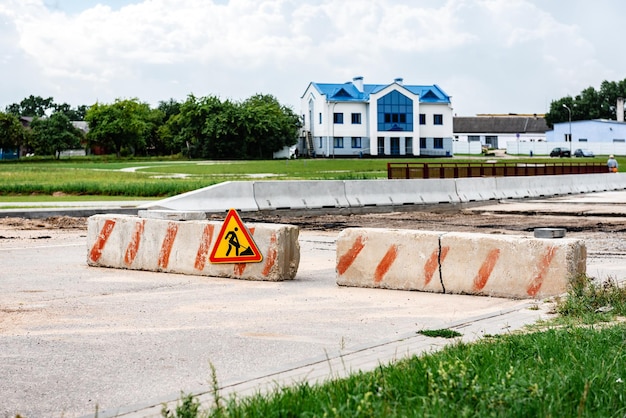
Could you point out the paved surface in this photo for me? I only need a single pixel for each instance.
(76, 339)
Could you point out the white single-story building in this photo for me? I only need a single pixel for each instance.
(494, 131)
(356, 119)
(600, 136)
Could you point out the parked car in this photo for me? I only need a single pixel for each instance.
(583, 152)
(560, 152)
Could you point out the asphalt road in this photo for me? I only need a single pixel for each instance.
(76, 339)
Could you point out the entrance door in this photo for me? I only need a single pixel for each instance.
(395, 146)
(381, 145)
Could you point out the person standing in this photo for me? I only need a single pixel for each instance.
(612, 164)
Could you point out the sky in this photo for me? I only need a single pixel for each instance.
(491, 56)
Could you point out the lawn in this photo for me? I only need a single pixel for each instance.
(142, 178)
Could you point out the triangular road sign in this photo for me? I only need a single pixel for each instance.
(234, 243)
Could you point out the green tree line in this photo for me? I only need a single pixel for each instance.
(199, 127)
(588, 104)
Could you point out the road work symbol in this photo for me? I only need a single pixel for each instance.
(234, 243)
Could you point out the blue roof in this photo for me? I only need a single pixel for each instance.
(347, 92)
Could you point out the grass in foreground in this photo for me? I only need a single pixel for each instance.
(571, 370)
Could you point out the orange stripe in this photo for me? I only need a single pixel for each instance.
(205, 246)
(432, 264)
(103, 237)
(270, 258)
(133, 246)
(346, 260)
(544, 263)
(486, 269)
(166, 246)
(385, 264)
(239, 268)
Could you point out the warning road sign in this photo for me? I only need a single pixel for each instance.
(234, 243)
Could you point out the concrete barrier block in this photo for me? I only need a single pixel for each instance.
(510, 266)
(400, 192)
(388, 258)
(477, 189)
(463, 263)
(614, 181)
(216, 198)
(130, 242)
(271, 195)
(514, 187)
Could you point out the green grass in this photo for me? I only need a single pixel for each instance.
(565, 372)
(152, 177)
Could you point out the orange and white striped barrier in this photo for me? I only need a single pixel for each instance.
(131, 242)
(462, 263)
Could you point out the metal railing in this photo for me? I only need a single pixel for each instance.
(462, 170)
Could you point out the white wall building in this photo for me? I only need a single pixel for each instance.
(496, 131)
(356, 119)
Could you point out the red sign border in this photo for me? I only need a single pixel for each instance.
(258, 257)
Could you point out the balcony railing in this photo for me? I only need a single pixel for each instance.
(462, 170)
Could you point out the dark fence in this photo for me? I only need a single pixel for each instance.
(461, 170)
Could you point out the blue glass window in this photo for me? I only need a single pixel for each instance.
(395, 112)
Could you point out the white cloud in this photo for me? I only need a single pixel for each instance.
(517, 51)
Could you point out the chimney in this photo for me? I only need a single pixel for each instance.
(398, 80)
(619, 110)
(358, 83)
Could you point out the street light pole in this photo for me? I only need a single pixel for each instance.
(570, 128)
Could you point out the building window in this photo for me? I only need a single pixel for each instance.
(381, 145)
(422, 119)
(356, 118)
(409, 146)
(422, 143)
(438, 143)
(491, 141)
(320, 118)
(438, 119)
(356, 142)
(582, 140)
(394, 112)
(473, 138)
(338, 118)
(320, 144)
(619, 140)
(338, 142)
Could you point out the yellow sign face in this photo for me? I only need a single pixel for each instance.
(234, 243)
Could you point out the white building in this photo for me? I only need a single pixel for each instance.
(495, 131)
(356, 119)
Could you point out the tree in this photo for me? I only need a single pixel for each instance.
(33, 106)
(267, 126)
(201, 127)
(73, 114)
(589, 104)
(123, 124)
(12, 133)
(37, 106)
(52, 135)
(217, 129)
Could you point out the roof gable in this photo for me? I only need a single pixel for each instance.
(349, 92)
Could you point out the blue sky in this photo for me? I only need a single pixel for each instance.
(491, 56)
